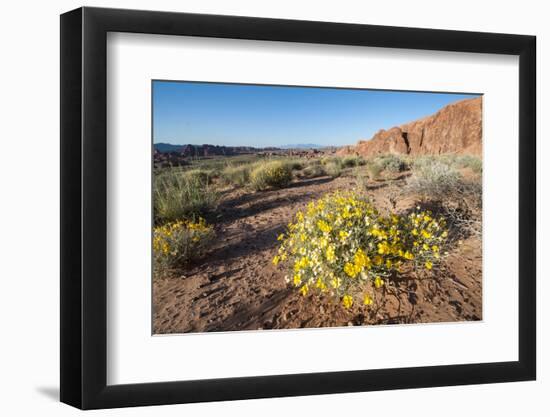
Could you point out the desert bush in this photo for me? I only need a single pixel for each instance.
(331, 159)
(312, 171)
(392, 163)
(352, 161)
(176, 243)
(470, 161)
(294, 164)
(342, 246)
(276, 174)
(334, 169)
(177, 196)
(237, 175)
(460, 199)
(374, 169)
(433, 179)
(421, 161)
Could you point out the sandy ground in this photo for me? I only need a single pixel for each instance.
(236, 287)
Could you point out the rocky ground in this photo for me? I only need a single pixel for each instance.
(236, 287)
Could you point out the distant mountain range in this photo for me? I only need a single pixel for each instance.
(208, 150)
(302, 146)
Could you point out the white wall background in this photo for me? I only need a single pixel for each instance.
(29, 232)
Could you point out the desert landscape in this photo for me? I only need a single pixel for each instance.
(386, 231)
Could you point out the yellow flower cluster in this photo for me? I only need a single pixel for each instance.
(341, 245)
(177, 242)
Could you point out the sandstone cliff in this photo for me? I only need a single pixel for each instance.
(455, 128)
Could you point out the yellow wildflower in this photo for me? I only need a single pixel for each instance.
(378, 282)
(368, 300)
(351, 269)
(347, 300)
(323, 226)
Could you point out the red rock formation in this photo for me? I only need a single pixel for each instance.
(455, 128)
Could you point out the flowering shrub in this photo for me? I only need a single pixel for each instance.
(342, 246)
(271, 174)
(178, 242)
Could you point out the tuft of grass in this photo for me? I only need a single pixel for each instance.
(199, 176)
(334, 169)
(237, 175)
(271, 174)
(177, 195)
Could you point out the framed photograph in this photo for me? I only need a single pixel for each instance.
(258, 208)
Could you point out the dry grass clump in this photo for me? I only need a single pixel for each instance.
(238, 175)
(177, 195)
(333, 169)
(313, 171)
(271, 174)
(199, 176)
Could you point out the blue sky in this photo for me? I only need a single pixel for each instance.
(261, 116)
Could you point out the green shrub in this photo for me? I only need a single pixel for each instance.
(237, 175)
(177, 196)
(274, 174)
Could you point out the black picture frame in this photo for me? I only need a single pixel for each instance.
(84, 207)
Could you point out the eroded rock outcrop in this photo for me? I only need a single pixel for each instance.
(456, 128)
